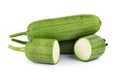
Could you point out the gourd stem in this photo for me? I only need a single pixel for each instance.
(21, 49)
(18, 34)
(106, 44)
(104, 39)
(19, 41)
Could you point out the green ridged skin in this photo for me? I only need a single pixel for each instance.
(67, 47)
(40, 50)
(97, 44)
(64, 28)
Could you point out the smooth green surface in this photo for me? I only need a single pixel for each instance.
(97, 46)
(63, 28)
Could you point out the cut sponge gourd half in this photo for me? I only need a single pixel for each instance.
(89, 47)
(41, 50)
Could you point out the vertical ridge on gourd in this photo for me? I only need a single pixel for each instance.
(40, 50)
(63, 28)
(89, 47)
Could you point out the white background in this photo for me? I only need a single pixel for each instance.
(15, 16)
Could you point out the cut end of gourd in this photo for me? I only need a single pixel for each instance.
(82, 49)
(56, 52)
